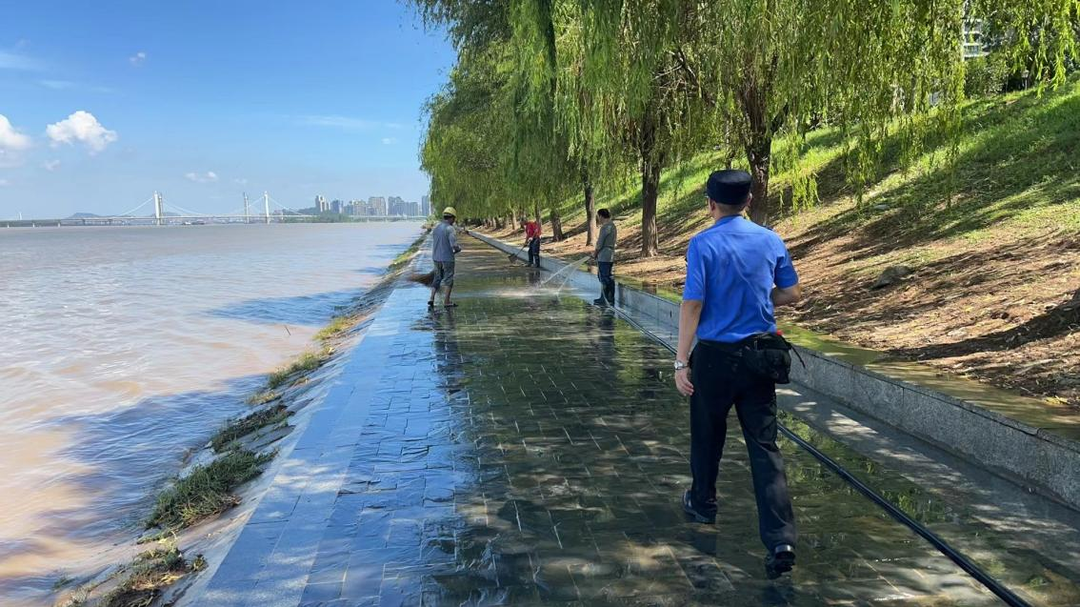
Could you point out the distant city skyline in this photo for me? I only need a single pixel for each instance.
(99, 109)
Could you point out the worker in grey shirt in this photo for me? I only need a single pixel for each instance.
(444, 247)
(604, 254)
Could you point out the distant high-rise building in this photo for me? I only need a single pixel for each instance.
(378, 205)
(425, 205)
(336, 206)
(321, 205)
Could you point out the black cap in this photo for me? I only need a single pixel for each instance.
(729, 186)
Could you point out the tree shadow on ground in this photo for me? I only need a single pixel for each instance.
(1059, 320)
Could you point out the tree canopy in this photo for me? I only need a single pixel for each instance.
(552, 96)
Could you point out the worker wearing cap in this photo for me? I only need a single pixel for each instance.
(736, 273)
(444, 247)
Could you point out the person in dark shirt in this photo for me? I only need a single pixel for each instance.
(737, 272)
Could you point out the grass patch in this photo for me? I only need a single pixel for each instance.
(337, 326)
(306, 362)
(206, 491)
(248, 424)
(262, 397)
(151, 572)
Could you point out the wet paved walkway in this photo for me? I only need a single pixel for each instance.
(531, 449)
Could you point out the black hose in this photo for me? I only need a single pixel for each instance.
(894, 511)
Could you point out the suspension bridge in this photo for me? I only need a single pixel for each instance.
(265, 210)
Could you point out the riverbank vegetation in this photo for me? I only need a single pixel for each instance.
(235, 455)
(874, 143)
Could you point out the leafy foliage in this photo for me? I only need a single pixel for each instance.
(549, 95)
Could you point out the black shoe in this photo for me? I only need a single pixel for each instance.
(699, 516)
(600, 302)
(780, 561)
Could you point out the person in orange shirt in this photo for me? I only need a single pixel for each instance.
(532, 240)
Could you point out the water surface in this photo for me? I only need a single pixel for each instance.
(121, 348)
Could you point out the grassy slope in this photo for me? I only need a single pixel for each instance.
(996, 289)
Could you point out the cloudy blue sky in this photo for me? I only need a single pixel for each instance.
(101, 103)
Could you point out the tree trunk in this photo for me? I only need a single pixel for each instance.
(650, 187)
(513, 219)
(590, 214)
(754, 99)
(556, 226)
(536, 212)
(758, 154)
(650, 190)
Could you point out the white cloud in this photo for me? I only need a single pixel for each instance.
(389, 140)
(56, 85)
(207, 177)
(63, 85)
(11, 139)
(81, 127)
(12, 143)
(347, 123)
(138, 58)
(11, 61)
(51, 165)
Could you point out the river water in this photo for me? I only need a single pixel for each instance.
(122, 348)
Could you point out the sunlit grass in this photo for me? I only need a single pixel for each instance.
(206, 491)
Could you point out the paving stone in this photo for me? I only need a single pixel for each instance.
(530, 449)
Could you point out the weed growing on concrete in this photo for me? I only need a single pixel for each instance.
(248, 424)
(207, 490)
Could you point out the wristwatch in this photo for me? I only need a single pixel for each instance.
(680, 365)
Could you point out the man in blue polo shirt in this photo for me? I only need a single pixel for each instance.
(736, 273)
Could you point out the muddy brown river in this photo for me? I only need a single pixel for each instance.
(123, 348)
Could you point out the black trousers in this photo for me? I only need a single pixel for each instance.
(720, 382)
(607, 280)
(534, 252)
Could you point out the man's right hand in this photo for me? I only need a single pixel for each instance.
(682, 382)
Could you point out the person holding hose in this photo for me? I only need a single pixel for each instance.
(737, 272)
(604, 254)
(532, 240)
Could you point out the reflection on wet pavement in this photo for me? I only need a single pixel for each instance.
(525, 449)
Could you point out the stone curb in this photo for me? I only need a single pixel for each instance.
(1034, 458)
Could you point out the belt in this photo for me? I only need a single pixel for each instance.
(723, 346)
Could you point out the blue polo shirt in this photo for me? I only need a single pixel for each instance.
(732, 268)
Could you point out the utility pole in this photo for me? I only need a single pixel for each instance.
(266, 205)
(247, 209)
(157, 207)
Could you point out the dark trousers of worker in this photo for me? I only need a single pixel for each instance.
(720, 382)
(607, 280)
(534, 252)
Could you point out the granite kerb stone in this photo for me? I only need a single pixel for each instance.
(1036, 459)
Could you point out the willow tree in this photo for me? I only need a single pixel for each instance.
(779, 67)
(468, 131)
(620, 98)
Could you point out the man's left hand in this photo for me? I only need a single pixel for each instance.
(682, 382)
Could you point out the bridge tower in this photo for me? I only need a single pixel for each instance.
(266, 205)
(158, 208)
(247, 209)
